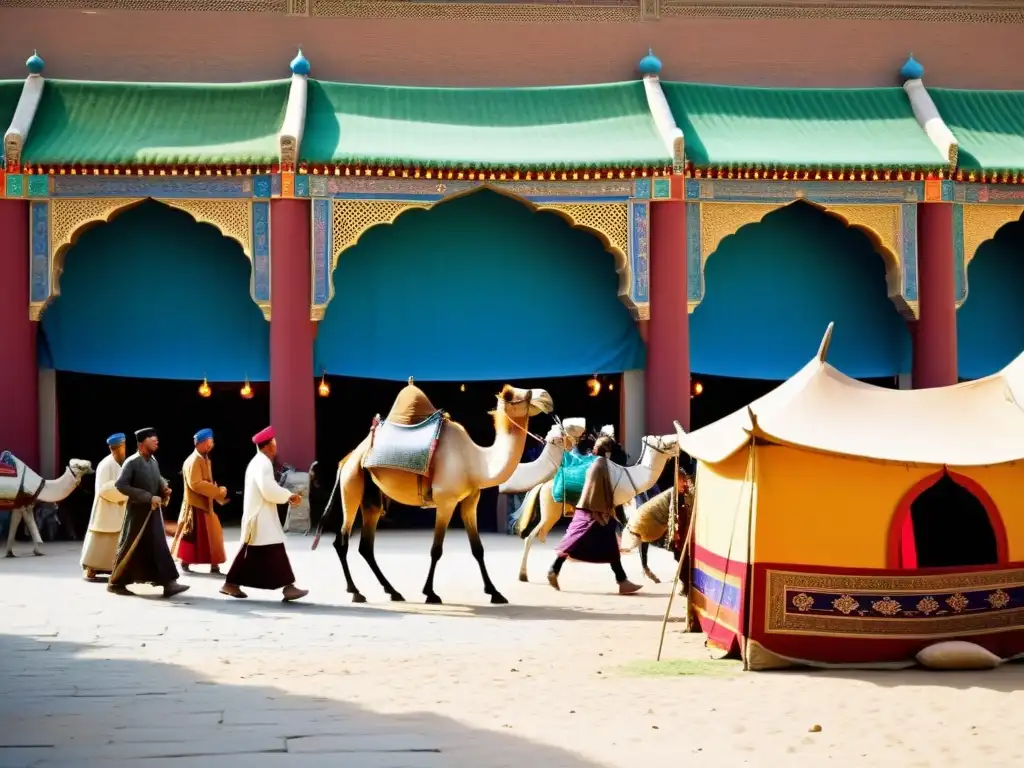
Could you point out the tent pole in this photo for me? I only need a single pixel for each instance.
(682, 556)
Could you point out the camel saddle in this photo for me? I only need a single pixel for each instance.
(19, 485)
(569, 478)
(407, 439)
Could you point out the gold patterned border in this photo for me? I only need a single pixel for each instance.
(982, 222)
(779, 621)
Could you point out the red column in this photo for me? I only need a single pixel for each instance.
(19, 405)
(667, 378)
(292, 403)
(935, 363)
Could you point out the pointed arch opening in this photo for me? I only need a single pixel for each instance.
(151, 293)
(607, 222)
(773, 284)
(480, 287)
(946, 520)
(990, 323)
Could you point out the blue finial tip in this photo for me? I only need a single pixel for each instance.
(35, 63)
(650, 64)
(300, 64)
(912, 70)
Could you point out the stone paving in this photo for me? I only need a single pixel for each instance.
(90, 678)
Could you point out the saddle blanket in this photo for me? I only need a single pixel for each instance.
(569, 478)
(17, 482)
(406, 448)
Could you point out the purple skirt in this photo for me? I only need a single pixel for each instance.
(589, 541)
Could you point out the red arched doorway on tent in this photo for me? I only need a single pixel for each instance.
(946, 520)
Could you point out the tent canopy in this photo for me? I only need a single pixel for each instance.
(976, 423)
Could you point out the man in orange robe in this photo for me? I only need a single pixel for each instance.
(200, 539)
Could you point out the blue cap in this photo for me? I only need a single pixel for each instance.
(300, 64)
(35, 64)
(912, 69)
(117, 439)
(202, 434)
(650, 64)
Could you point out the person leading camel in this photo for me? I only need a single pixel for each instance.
(591, 536)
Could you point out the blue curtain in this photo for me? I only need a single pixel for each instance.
(772, 289)
(153, 294)
(990, 324)
(479, 288)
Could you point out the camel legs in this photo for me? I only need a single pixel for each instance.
(352, 488)
(643, 561)
(468, 511)
(367, 535)
(443, 516)
(26, 514)
(551, 512)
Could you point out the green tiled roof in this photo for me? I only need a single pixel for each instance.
(156, 124)
(10, 92)
(557, 128)
(988, 125)
(800, 128)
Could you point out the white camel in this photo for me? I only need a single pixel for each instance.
(627, 483)
(530, 474)
(21, 488)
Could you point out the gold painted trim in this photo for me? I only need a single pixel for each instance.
(982, 222)
(70, 217)
(882, 224)
(609, 222)
(522, 13)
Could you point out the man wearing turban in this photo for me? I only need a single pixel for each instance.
(200, 539)
(262, 562)
(108, 506)
(142, 553)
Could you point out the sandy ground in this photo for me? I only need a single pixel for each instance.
(551, 680)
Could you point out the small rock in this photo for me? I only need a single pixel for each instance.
(815, 728)
(654, 727)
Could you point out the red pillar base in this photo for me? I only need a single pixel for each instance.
(19, 406)
(668, 331)
(292, 401)
(934, 336)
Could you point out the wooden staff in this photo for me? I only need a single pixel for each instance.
(674, 510)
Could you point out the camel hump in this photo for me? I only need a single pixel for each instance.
(19, 485)
(412, 406)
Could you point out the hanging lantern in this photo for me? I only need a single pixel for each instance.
(611, 386)
(593, 386)
(324, 390)
(462, 387)
(204, 388)
(246, 391)
(697, 388)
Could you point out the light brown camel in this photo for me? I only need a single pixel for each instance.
(21, 488)
(459, 470)
(627, 483)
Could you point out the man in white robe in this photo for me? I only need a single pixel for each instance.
(262, 562)
(108, 506)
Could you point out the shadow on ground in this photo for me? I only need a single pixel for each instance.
(61, 706)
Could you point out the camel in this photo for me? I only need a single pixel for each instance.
(453, 471)
(560, 438)
(627, 482)
(21, 488)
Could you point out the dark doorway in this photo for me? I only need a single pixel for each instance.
(344, 418)
(91, 407)
(951, 527)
